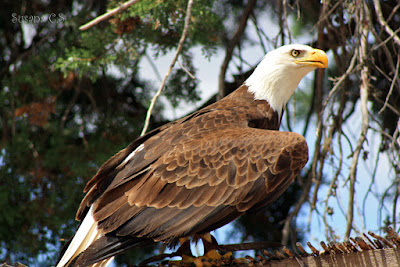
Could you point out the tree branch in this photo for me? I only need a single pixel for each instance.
(107, 15)
(231, 46)
(396, 74)
(178, 51)
(383, 23)
(365, 122)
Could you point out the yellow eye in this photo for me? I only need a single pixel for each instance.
(295, 52)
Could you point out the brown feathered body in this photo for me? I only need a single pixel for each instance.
(195, 174)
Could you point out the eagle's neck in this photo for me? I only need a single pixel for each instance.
(259, 112)
(273, 83)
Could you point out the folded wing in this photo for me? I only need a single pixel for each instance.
(197, 186)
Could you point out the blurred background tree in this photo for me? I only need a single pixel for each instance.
(70, 99)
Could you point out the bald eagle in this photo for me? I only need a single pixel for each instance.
(198, 173)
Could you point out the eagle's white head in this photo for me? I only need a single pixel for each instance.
(280, 72)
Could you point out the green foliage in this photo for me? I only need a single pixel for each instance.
(90, 56)
(166, 19)
(148, 23)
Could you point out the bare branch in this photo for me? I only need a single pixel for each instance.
(396, 133)
(154, 67)
(396, 74)
(68, 109)
(340, 80)
(384, 48)
(332, 190)
(394, 210)
(232, 44)
(285, 16)
(107, 15)
(328, 13)
(383, 23)
(392, 108)
(369, 190)
(386, 40)
(178, 51)
(260, 33)
(187, 71)
(365, 122)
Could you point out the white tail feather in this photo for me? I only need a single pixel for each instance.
(87, 233)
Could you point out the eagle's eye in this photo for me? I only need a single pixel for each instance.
(295, 53)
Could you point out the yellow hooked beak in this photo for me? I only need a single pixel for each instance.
(315, 58)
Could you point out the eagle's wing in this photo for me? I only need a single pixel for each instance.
(200, 185)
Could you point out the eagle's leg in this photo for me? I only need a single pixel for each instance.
(184, 249)
(211, 247)
(211, 255)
